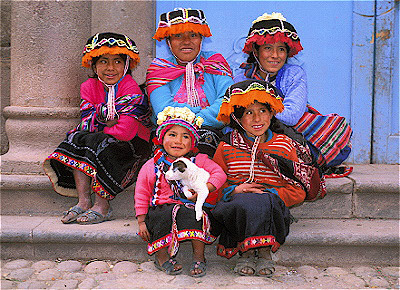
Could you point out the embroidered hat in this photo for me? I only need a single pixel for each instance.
(181, 116)
(245, 93)
(272, 28)
(181, 20)
(113, 43)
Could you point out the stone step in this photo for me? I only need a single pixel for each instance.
(323, 242)
(371, 191)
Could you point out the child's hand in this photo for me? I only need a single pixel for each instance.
(249, 187)
(111, 123)
(143, 232)
(193, 197)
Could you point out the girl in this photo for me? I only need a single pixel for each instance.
(265, 176)
(103, 153)
(164, 216)
(191, 77)
(270, 42)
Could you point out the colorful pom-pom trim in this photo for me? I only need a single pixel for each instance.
(163, 32)
(87, 57)
(246, 98)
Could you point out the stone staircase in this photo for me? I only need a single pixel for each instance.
(357, 223)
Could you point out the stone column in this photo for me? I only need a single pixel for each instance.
(47, 38)
(5, 30)
(133, 18)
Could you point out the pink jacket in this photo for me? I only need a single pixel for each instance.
(93, 91)
(146, 181)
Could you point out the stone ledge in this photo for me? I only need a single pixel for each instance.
(313, 241)
(18, 112)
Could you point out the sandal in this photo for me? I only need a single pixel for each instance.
(244, 262)
(266, 265)
(94, 217)
(202, 266)
(76, 212)
(168, 267)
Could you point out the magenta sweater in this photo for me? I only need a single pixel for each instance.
(146, 181)
(93, 91)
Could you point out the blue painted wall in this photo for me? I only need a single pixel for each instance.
(338, 56)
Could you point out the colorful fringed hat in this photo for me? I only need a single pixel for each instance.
(272, 28)
(181, 116)
(181, 20)
(245, 93)
(113, 43)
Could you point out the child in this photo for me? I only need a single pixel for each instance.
(103, 153)
(270, 42)
(164, 216)
(191, 77)
(264, 178)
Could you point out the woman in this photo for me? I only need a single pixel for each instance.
(105, 151)
(191, 77)
(266, 174)
(270, 42)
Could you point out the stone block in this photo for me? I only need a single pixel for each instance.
(336, 204)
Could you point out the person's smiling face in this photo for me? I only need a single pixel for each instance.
(256, 120)
(185, 46)
(272, 57)
(109, 68)
(177, 141)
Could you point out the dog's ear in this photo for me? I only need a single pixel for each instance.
(179, 165)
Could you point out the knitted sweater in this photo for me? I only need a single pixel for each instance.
(236, 164)
(146, 181)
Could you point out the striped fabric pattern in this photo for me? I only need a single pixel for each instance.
(133, 105)
(162, 71)
(329, 133)
(239, 162)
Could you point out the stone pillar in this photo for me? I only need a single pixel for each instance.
(133, 18)
(5, 30)
(47, 38)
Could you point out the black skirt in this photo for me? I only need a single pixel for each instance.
(250, 220)
(112, 164)
(159, 224)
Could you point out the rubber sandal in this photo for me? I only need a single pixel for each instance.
(168, 267)
(265, 264)
(76, 211)
(198, 265)
(242, 263)
(94, 217)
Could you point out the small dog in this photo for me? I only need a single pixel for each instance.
(191, 177)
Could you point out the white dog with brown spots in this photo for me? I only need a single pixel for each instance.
(191, 177)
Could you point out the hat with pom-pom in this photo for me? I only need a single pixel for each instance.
(181, 20)
(181, 116)
(245, 93)
(112, 43)
(272, 28)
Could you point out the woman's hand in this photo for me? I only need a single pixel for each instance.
(112, 122)
(249, 187)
